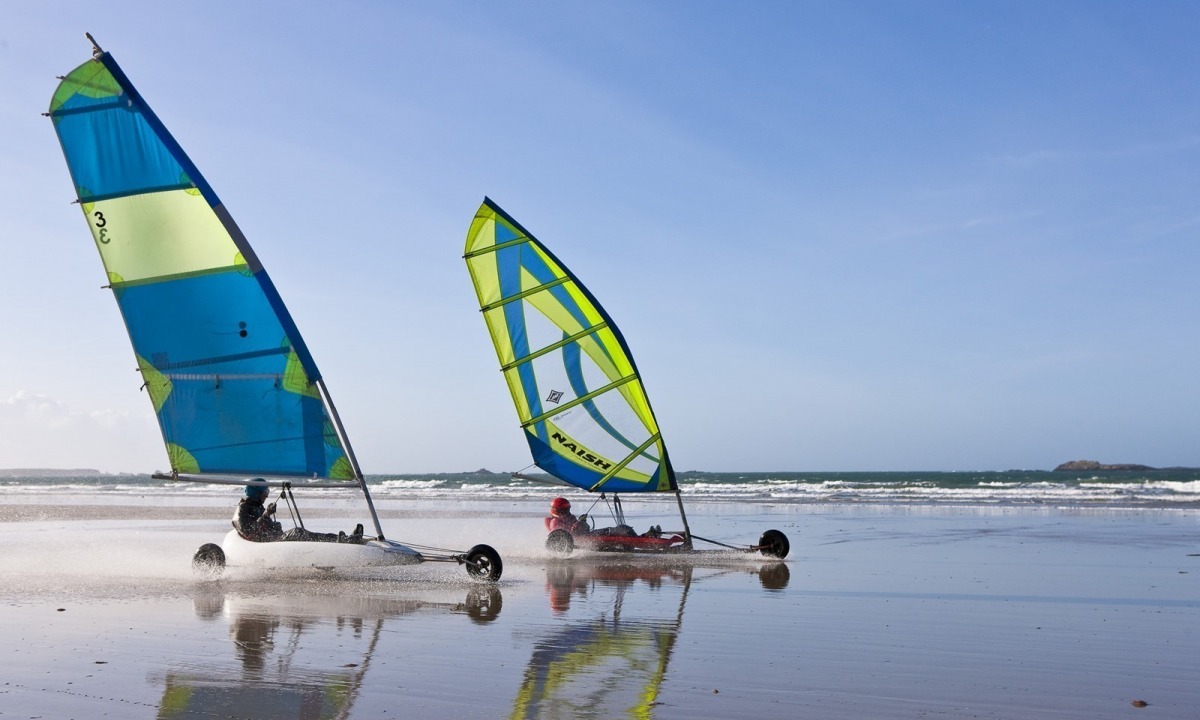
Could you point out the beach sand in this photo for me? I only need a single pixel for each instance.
(879, 612)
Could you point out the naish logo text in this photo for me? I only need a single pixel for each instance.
(581, 453)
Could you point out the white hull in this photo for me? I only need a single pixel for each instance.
(273, 555)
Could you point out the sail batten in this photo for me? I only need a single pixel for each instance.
(578, 395)
(525, 293)
(234, 387)
(556, 346)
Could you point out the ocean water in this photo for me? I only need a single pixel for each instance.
(1179, 488)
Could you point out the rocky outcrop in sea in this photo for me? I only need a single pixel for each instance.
(1078, 465)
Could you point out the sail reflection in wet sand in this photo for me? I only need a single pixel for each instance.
(613, 665)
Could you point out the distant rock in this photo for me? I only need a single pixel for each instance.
(1087, 465)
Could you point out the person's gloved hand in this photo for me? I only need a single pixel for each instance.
(271, 509)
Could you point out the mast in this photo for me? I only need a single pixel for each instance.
(687, 531)
(341, 433)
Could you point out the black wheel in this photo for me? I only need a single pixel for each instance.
(560, 542)
(484, 562)
(774, 544)
(483, 603)
(209, 561)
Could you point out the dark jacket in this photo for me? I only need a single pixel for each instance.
(253, 523)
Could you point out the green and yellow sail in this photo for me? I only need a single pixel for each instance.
(578, 394)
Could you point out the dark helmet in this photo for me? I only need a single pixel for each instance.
(259, 490)
(559, 506)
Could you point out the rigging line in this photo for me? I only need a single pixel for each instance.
(526, 293)
(628, 459)
(551, 348)
(578, 400)
(497, 246)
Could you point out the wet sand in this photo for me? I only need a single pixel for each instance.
(880, 612)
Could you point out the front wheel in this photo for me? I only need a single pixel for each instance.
(560, 542)
(774, 544)
(209, 561)
(484, 562)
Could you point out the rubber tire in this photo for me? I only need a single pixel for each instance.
(484, 562)
(209, 561)
(774, 544)
(560, 542)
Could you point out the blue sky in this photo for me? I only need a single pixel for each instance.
(837, 236)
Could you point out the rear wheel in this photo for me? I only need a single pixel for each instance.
(774, 544)
(209, 561)
(560, 542)
(484, 562)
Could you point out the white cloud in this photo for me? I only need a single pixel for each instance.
(41, 431)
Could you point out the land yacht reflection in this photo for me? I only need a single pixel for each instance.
(295, 653)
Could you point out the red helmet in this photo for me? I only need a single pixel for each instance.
(560, 505)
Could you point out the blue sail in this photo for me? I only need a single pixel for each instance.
(233, 385)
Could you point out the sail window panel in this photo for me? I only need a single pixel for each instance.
(606, 427)
(544, 383)
(561, 301)
(112, 150)
(160, 234)
(617, 421)
(540, 329)
(548, 321)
